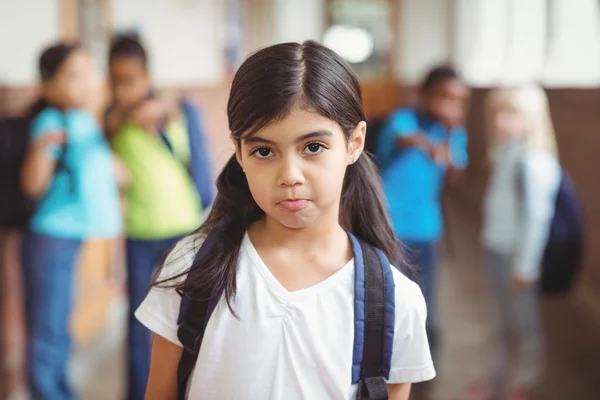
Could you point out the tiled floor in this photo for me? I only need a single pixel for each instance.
(573, 359)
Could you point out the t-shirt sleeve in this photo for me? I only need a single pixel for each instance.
(160, 309)
(49, 121)
(458, 149)
(401, 123)
(411, 358)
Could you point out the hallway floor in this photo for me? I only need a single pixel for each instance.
(573, 359)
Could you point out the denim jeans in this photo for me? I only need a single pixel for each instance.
(143, 257)
(423, 257)
(48, 271)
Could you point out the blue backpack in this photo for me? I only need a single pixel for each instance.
(564, 249)
(374, 315)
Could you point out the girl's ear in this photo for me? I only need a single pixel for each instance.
(356, 143)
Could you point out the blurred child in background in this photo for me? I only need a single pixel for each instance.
(416, 148)
(519, 205)
(70, 170)
(161, 140)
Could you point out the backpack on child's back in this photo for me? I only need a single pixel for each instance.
(16, 208)
(564, 249)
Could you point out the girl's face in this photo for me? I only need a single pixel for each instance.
(72, 83)
(295, 167)
(507, 124)
(129, 80)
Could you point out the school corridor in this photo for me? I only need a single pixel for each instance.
(572, 368)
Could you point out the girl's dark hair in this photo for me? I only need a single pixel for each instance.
(128, 46)
(265, 89)
(53, 58)
(438, 75)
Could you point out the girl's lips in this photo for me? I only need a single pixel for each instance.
(293, 204)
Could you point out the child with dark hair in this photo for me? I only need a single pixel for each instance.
(161, 140)
(279, 253)
(70, 170)
(416, 149)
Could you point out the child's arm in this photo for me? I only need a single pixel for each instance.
(419, 140)
(401, 131)
(411, 359)
(122, 173)
(113, 120)
(458, 158)
(540, 181)
(40, 163)
(399, 391)
(162, 381)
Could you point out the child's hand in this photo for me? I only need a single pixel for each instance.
(58, 138)
(521, 284)
(148, 115)
(441, 155)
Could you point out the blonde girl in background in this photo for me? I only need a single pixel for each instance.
(518, 209)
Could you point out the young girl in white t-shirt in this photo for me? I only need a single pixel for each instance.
(298, 182)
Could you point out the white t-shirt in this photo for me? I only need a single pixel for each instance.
(285, 345)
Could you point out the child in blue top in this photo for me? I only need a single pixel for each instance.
(416, 148)
(69, 168)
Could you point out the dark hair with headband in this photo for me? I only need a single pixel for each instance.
(54, 57)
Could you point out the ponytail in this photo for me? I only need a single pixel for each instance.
(363, 210)
(232, 212)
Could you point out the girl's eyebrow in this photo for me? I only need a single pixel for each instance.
(254, 139)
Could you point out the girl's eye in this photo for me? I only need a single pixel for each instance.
(313, 148)
(263, 152)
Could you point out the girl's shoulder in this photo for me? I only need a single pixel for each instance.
(541, 163)
(48, 120)
(409, 298)
(181, 257)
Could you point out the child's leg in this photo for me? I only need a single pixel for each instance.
(143, 257)
(424, 258)
(498, 268)
(48, 265)
(140, 265)
(528, 370)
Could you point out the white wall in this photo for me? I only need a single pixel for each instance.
(495, 42)
(297, 21)
(574, 48)
(23, 35)
(508, 42)
(185, 38)
(423, 37)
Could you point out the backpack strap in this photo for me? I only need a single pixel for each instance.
(374, 318)
(193, 318)
(190, 333)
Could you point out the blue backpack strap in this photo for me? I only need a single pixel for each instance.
(374, 318)
(193, 318)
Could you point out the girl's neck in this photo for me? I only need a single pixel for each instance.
(319, 234)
